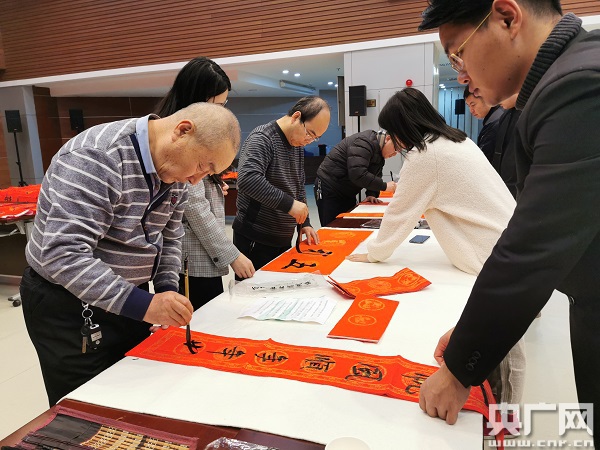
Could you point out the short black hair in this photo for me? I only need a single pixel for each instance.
(440, 12)
(309, 107)
(199, 80)
(412, 121)
(467, 93)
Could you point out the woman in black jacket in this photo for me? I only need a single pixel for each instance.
(353, 164)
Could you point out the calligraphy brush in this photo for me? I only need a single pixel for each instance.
(299, 237)
(186, 282)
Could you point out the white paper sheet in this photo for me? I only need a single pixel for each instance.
(311, 309)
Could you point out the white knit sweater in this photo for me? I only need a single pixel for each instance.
(465, 202)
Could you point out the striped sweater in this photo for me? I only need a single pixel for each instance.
(98, 232)
(270, 178)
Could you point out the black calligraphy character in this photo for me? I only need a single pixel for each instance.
(368, 371)
(319, 251)
(230, 353)
(193, 346)
(299, 265)
(417, 379)
(270, 357)
(321, 363)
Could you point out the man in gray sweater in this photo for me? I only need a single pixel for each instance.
(271, 194)
(108, 222)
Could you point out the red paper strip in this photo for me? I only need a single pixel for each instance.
(22, 194)
(366, 319)
(391, 376)
(324, 257)
(360, 214)
(401, 282)
(10, 211)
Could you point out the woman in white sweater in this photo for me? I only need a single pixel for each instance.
(446, 177)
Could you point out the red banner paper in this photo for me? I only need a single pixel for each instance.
(324, 257)
(391, 376)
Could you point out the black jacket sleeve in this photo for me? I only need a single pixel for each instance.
(552, 240)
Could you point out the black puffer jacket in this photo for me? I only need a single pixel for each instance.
(353, 164)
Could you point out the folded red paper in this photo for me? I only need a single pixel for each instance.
(366, 319)
(401, 282)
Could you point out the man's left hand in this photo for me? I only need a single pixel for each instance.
(311, 235)
(443, 396)
(371, 199)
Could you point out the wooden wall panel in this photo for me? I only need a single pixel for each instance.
(52, 37)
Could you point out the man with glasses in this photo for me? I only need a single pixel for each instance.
(486, 140)
(499, 48)
(271, 195)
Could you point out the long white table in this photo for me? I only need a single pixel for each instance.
(302, 410)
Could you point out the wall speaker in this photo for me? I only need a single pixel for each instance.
(459, 106)
(358, 100)
(13, 121)
(76, 116)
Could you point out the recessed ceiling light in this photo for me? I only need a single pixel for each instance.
(286, 71)
(330, 83)
(296, 74)
(335, 85)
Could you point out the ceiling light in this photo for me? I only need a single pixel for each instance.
(302, 88)
(330, 83)
(297, 74)
(335, 85)
(286, 71)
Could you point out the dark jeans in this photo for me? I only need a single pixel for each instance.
(202, 290)
(328, 205)
(259, 254)
(584, 318)
(53, 319)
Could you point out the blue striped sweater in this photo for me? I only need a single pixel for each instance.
(99, 231)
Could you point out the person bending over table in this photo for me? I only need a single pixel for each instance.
(108, 222)
(354, 164)
(466, 203)
(205, 242)
(499, 48)
(271, 195)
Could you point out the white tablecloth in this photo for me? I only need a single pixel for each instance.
(302, 410)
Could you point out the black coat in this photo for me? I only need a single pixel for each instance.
(353, 164)
(553, 239)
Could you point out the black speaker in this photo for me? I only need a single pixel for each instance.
(76, 116)
(13, 121)
(459, 106)
(358, 100)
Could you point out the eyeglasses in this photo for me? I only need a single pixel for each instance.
(310, 134)
(456, 61)
(222, 104)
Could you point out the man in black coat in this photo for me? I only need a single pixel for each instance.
(354, 164)
(486, 140)
(499, 48)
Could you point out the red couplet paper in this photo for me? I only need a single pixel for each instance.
(401, 282)
(324, 257)
(366, 319)
(391, 376)
(359, 214)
